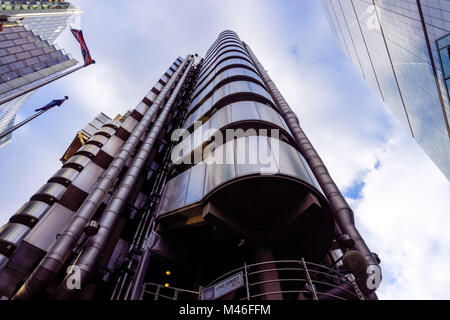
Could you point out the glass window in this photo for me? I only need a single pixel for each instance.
(32, 61)
(247, 155)
(20, 41)
(244, 110)
(270, 115)
(223, 169)
(39, 66)
(17, 65)
(36, 52)
(5, 44)
(177, 197)
(220, 118)
(13, 50)
(444, 46)
(23, 55)
(10, 76)
(196, 184)
(288, 160)
(7, 59)
(4, 68)
(26, 70)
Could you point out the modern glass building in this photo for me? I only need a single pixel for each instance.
(401, 48)
(208, 190)
(28, 55)
(46, 18)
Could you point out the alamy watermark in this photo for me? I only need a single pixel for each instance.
(253, 147)
(73, 279)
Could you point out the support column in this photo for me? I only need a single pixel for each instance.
(265, 254)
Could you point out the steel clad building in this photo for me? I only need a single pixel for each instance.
(208, 190)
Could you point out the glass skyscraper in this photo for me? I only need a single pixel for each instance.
(28, 55)
(401, 47)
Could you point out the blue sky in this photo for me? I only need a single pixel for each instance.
(401, 200)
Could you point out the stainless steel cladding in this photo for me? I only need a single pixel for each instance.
(88, 150)
(11, 235)
(57, 254)
(196, 183)
(30, 213)
(50, 193)
(88, 259)
(64, 176)
(78, 162)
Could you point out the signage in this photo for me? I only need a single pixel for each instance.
(223, 288)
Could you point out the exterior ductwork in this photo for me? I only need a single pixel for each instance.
(87, 260)
(342, 211)
(208, 181)
(58, 253)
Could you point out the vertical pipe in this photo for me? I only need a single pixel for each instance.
(136, 284)
(58, 253)
(268, 275)
(140, 276)
(88, 258)
(342, 211)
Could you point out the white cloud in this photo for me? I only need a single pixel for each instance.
(404, 213)
(404, 210)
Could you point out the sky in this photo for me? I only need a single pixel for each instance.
(400, 199)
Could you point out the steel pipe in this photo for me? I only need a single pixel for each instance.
(88, 258)
(135, 285)
(342, 211)
(58, 253)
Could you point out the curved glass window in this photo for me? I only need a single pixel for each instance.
(220, 54)
(219, 42)
(273, 157)
(223, 58)
(224, 49)
(226, 40)
(220, 49)
(175, 192)
(222, 36)
(226, 76)
(221, 46)
(244, 89)
(224, 117)
(222, 66)
(221, 39)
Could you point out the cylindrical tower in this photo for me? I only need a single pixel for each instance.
(241, 196)
(208, 190)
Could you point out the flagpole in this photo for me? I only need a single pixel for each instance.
(37, 86)
(24, 122)
(21, 124)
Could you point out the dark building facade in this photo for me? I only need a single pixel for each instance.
(207, 190)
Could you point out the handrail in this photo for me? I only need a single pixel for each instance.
(329, 279)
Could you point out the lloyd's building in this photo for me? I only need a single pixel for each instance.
(208, 190)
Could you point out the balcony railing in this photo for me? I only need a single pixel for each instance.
(272, 280)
